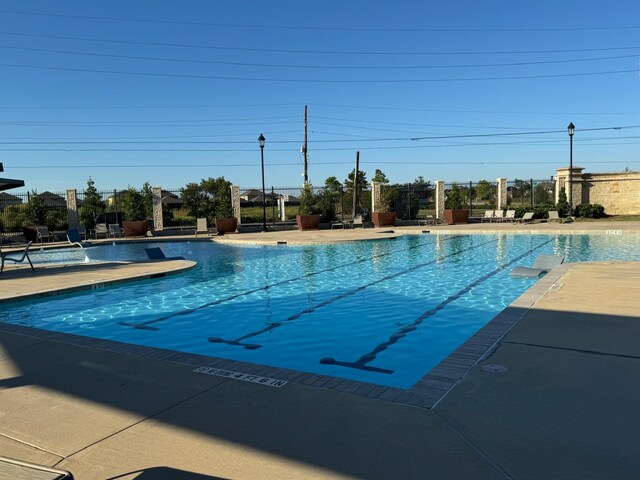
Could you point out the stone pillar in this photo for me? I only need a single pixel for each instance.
(235, 202)
(440, 199)
(158, 221)
(562, 181)
(375, 196)
(72, 208)
(502, 193)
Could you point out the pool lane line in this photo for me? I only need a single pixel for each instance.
(147, 325)
(348, 293)
(361, 363)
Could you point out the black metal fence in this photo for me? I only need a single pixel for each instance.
(409, 201)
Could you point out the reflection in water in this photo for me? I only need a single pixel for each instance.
(501, 249)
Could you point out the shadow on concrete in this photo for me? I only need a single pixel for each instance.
(165, 473)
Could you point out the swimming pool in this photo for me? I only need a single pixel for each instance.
(384, 311)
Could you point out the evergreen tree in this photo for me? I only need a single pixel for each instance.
(91, 205)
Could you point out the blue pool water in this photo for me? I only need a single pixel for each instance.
(383, 311)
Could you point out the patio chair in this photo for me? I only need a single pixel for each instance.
(74, 238)
(488, 216)
(101, 229)
(427, 220)
(497, 215)
(16, 469)
(357, 221)
(203, 227)
(542, 264)
(82, 231)
(554, 217)
(510, 216)
(337, 224)
(526, 218)
(12, 256)
(43, 232)
(115, 230)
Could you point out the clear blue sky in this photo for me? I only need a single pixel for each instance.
(170, 92)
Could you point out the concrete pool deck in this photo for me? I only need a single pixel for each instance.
(566, 406)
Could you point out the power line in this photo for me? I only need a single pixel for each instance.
(291, 80)
(321, 67)
(319, 52)
(332, 29)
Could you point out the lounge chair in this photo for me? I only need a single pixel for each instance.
(497, 215)
(542, 264)
(25, 254)
(43, 232)
(337, 224)
(526, 218)
(427, 220)
(82, 231)
(202, 227)
(16, 469)
(554, 217)
(357, 221)
(510, 216)
(488, 216)
(101, 229)
(156, 253)
(74, 238)
(115, 230)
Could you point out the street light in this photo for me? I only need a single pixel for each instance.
(570, 129)
(261, 140)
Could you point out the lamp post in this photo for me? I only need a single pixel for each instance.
(261, 140)
(570, 129)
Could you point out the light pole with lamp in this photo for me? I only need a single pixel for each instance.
(570, 129)
(261, 140)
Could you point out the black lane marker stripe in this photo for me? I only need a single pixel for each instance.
(361, 363)
(295, 316)
(147, 325)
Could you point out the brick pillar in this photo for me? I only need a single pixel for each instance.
(562, 181)
(235, 202)
(158, 221)
(72, 208)
(440, 199)
(502, 193)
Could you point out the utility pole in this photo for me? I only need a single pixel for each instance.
(355, 184)
(304, 148)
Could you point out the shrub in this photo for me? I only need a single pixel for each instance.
(307, 200)
(542, 210)
(327, 204)
(36, 211)
(455, 198)
(589, 210)
(562, 206)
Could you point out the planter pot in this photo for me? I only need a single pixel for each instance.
(135, 228)
(383, 219)
(226, 225)
(308, 222)
(451, 217)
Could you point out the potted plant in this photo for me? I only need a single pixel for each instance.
(135, 213)
(223, 208)
(384, 216)
(454, 213)
(307, 218)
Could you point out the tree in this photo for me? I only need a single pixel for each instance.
(455, 197)
(147, 199)
(523, 187)
(543, 192)
(333, 185)
(361, 182)
(133, 204)
(91, 206)
(36, 211)
(484, 190)
(307, 200)
(380, 177)
(210, 198)
(420, 181)
(563, 204)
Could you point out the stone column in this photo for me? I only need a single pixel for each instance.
(440, 199)
(375, 196)
(72, 208)
(502, 193)
(158, 222)
(562, 181)
(235, 202)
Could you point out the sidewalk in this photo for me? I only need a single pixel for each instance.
(565, 408)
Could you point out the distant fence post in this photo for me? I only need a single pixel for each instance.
(158, 220)
(235, 202)
(440, 199)
(72, 208)
(502, 193)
